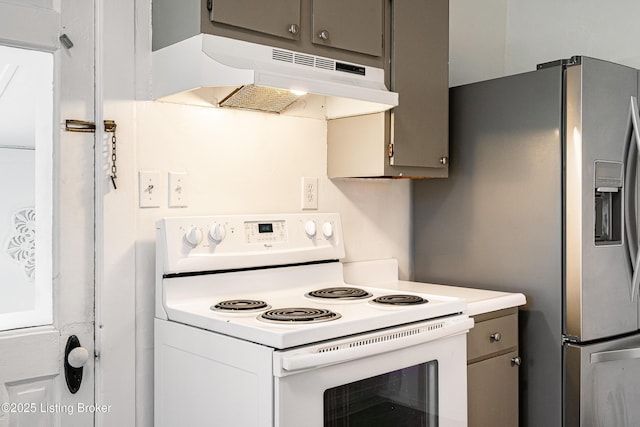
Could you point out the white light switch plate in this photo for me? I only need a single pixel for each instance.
(149, 189)
(178, 190)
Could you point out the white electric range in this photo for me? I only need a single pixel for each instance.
(256, 327)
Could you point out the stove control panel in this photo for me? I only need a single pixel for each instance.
(209, 243)
(265, 231)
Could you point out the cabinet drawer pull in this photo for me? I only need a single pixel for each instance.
(496, 336)
(516, 361)
(323, 35)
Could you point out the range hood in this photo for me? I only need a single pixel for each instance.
(216, 71)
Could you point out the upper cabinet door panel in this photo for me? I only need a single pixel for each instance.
(275, 17)
(354, 25)
(420, 74)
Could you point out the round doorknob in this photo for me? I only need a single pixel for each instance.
(78, 357)
(323, 35)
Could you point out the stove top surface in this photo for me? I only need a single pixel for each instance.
(275, 280)
(316, 319)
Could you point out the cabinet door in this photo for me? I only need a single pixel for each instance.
(275, 17)
(493, 392)
(420, 74)
(354, 25)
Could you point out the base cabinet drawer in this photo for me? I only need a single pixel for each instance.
(492, 336)
(493, 392)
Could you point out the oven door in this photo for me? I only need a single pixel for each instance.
(407, 376)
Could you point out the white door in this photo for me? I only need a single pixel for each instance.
(46, 210)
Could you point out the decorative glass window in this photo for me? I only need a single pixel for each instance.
(26, 141)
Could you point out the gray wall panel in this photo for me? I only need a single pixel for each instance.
(496, 222)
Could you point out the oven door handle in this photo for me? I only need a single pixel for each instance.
(371, 345)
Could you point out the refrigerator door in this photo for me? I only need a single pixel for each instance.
(602, 387)
(598, 292)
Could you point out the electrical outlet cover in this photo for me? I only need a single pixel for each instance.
(309, 193)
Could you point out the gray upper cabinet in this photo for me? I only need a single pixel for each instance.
(350, 31)
(420, 74)
(412, 141)
(355, 25)
(279, 18)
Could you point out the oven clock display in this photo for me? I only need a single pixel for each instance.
(265, 232)
(265, 228)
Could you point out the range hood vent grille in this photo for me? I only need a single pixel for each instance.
(303, 59)
(325, 64)
(282, 55)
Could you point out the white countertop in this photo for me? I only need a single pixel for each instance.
(384, 274)
(479, 301)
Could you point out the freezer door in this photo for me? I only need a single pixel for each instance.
(598, 293)
(601, 383)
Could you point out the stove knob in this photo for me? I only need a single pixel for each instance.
(310, 228)
(193, 236)
(217, 233)
(327, 230)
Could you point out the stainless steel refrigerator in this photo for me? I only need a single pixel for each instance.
(541, 199)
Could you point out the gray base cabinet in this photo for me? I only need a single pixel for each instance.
(492, 370)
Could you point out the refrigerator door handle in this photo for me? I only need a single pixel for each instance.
(615, 355)
(632, 148)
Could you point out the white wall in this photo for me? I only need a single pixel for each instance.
(545, 30)
(477, 38)
(494, 38)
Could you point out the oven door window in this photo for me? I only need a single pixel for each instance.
(406, 397)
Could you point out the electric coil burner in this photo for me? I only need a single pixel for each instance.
(299, 315)
(340, 293)
(399, 300)
(240, 305)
